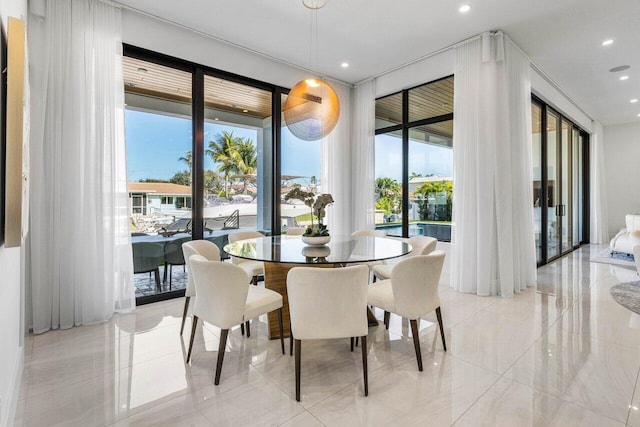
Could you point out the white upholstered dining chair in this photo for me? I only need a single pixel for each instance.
(296, 231)
(328, 303)
(207, 249)
(369, 233)
(254, 269)
(225, 299)
(421, 245)
(411, 292)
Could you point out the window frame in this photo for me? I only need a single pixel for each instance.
(405, 128)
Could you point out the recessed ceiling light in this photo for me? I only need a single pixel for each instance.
(607, 42)
(216, 119)
(464, 8)
(638, 115)
(624, 77)
(344, 65)
(634, 100)
(245, 111)
(142, 70)
(619, 68)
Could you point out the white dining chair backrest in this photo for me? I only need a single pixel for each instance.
(422, 245)
(296, 231)
(328, 302)
(207, 249)
(242, 235)
(369, 233)
(222, 290)
(414, 282)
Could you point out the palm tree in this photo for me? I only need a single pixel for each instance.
(248, 161)
(188, 159)
(223, 150)
(387, 187)
(388, 193)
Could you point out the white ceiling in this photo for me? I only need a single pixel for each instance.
(562, 37)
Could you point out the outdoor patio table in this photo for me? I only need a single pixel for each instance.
(281, 253)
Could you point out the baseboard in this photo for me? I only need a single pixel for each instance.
(9, 412)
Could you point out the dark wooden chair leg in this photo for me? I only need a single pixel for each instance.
(193, 334)
(254, 280)
(357, 340)
(416, 342)
(439, 316)
(298, 348)
(281, 329)
(184, 314)
(242, 328)
(364, 365)
(352, 340)
(248, 328)
(221, 347)
(387, 318)
(290, 344)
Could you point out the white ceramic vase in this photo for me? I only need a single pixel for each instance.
(316, 240)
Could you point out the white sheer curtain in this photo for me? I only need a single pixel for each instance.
(493, 242)
(363, 153)
(81, 264)
(336, 166)
(599, 227)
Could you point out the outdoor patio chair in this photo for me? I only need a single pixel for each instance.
(148, 257)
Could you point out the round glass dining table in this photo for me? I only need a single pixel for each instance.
(282, 253)
(340, 250)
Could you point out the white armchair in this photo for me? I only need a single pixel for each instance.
(622, 241)
(328, 303)
(412, 292)
(225, 299)
(254, 269)
(421, 245)
(207, 249)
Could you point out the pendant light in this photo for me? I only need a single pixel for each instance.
(312, 108)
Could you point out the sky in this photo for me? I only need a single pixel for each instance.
(425, 159)
(156, 142)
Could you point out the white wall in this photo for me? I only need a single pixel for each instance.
(11, 292)
(158, 36)
(424, 71)
(549, 94)
(621, 153)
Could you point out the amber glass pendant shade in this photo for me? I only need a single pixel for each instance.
(312, 109)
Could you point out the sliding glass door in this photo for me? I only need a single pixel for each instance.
(202, 151)
(560, 179)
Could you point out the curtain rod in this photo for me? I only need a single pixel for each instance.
(228, 42)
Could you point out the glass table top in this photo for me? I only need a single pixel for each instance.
(340, 250)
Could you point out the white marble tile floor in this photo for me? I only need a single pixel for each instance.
(563, 353)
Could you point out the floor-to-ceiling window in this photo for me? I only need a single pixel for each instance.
(158, 120)
(560, 180)
(414, 161)
(300, 162)
(201, 151)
